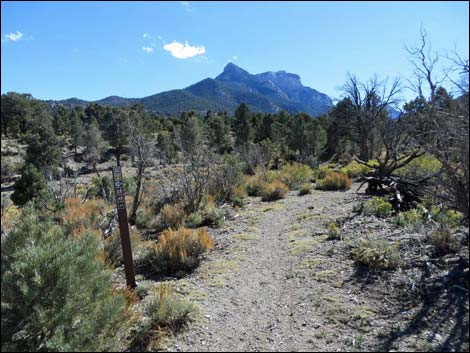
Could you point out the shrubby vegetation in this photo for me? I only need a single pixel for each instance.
(378, 206)
(46, 305)
(274, 191)
(419, 158)
(376, 254)
(334, 181)
(177, 251)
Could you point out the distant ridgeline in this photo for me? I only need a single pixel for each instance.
(268, 92)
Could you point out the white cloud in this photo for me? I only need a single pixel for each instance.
(186, 6)
(12, 37)
(148, 50)
(184, 51)
(234, 57)
(145, 35)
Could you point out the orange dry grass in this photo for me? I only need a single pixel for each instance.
(79, 217)
(179, 250)
(9, 216)
(336, 181)
(274, 191)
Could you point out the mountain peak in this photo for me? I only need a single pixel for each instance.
(231, 66)
(233, 72)
(270, 91)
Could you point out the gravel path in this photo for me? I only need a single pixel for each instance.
(251, 295)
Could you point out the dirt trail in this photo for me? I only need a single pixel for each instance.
(253, 292)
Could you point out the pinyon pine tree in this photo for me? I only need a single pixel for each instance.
(56, 292)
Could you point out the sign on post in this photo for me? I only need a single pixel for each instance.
(124, 227)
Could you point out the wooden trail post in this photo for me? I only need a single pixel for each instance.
(124, 227)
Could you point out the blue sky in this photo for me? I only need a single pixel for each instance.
(90, 50)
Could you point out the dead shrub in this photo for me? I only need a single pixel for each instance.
(274, 191)
(177, 250)
(334, 181)
(443, 241)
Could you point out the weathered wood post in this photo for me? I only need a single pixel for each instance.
(124, 227)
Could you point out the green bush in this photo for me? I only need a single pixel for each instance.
(274, 191)
(422, 166)
(212, 216)
(447, 218)
(355, 170)
(322, 172)
(31, 186)
(194, 220)
(377, 206)
(334, 181)
(409, 218)
(56, 293)
(238, 201)
(295, 174)
(226, 178)
(376, 254)
(104, 187)
(305, 189)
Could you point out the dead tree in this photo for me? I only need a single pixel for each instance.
(370, 101)
(447, 127)
(143, 149)
(404, 192)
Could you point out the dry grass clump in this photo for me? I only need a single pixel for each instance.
(177, 250)
(254, 185)
(163, 314)
(334, 181)
(444, 241)
(333, 232)
(164, 310)
(172, 216)
(79, 217)
(305, 189)
(376, 254)
(274, 191)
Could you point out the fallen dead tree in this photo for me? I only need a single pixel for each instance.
(404, 192)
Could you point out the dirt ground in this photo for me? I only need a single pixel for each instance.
(275, 282)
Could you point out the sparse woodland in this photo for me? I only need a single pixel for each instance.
(400, 186)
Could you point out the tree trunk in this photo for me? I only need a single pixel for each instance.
(136, 203)
(118, 157)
